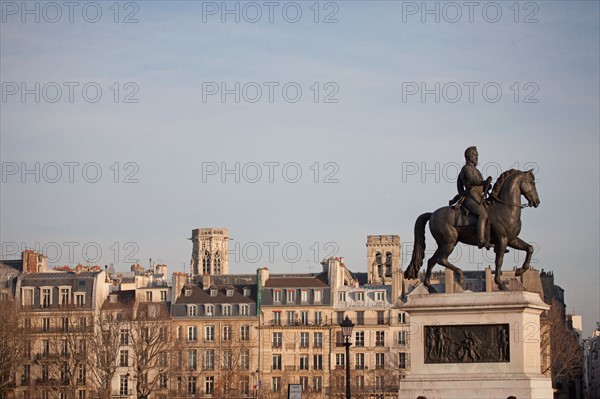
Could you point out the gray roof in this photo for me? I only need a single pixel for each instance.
(59, 275)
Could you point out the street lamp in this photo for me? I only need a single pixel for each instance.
(347, 326)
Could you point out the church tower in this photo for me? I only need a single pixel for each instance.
(383, 257)
(383, 263)
(209, 251)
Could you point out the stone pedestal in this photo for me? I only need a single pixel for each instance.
(461, 373)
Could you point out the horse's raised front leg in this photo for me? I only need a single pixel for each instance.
(517, 243)
(430, 264)
(500, 248)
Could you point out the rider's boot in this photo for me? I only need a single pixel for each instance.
(481, 241)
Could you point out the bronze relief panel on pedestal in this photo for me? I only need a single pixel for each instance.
(471, 343)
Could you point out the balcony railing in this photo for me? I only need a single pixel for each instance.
(122, 393)
(50, 382)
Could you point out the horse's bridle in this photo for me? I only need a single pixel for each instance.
(516, 205)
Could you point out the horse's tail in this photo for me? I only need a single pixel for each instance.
(416, 261)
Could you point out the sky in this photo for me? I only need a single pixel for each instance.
(302, 127)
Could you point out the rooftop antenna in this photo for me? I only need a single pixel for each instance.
(310, 265)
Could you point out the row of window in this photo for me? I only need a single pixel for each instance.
(62, 375)
(304, 339)
(227, 361)
(149, 296)
(303, 362)
(294, 318)
(189, 385)
(123, 360)
(214, 291)
(380, 318)
(63, 324)
(360, 296)
(359, 339)
(291, 293)
(226, 310)
(209, 333)
(46, 298)
(340, 360)
(64, 345)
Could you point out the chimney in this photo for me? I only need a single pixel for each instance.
(262, 275)
(206, 281)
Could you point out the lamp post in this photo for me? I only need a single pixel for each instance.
(347, 326)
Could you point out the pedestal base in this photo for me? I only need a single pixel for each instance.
(460, 343)
(459, 386)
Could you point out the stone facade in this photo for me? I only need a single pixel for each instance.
(210, 251)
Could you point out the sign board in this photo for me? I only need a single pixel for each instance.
(294, 391)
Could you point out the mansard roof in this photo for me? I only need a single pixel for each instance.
(49, 276)
(297, 281)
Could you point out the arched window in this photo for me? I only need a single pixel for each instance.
(206, 262)
(388, 264)
(218, 262)
(379, 263)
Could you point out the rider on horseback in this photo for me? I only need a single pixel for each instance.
(471, 194)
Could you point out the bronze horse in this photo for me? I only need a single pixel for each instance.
(505, 226)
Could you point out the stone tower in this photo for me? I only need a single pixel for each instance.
(383, 256)
(383, 263)
(209, 251)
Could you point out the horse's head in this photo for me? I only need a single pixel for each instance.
(528, 189)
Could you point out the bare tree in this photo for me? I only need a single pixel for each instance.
(234, 370)
(110, 333)
(562, 356)
(63, 363)
(151, 347)
(13, 345)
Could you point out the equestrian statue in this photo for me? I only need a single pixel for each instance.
(474, 218)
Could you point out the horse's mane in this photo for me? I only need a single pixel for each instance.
(501, 180)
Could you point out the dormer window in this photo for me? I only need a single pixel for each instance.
(379, 296)
(360, 296)
(112, 299)
(209, 310)
(213, 292)
(246, 291)
(229, 291)
(187, 292)
(291, 296)
(192, 310)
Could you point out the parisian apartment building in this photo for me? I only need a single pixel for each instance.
(92, 332)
